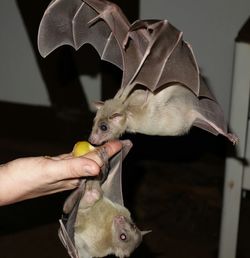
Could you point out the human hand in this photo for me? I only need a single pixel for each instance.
(31, 177)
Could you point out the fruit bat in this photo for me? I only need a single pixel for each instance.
(95, 222)
(162, 92)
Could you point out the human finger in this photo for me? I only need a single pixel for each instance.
(106, 151)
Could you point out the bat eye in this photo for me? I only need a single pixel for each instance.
(123, 237)
(103, 127)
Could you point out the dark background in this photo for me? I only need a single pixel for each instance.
(172, 185)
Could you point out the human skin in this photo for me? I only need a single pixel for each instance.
(31, 177)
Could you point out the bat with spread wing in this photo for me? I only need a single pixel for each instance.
(95, 222)
(162, 92)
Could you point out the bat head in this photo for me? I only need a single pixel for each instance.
(126, 236)
(109, 122)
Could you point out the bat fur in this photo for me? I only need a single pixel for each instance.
(95, 222)
(103, 227)
(171, 111)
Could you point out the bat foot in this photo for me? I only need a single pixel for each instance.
(233, 138)
(91, 195)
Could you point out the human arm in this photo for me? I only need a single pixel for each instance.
(31, 177)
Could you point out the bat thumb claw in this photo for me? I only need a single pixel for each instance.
(127, 143)
(233, 138)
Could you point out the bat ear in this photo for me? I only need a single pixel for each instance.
(116, 117)
(97, 104)
(146, 232)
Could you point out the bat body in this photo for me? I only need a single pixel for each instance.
(170, 112)
(103, 227)
(97, 223)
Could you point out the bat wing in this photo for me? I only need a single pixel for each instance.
(151, 53)
(66, 240)
(70, 209)
(212, 119)
(167, 59)
(112, 189)
(76, 23)
(211, 116)
(97, 22)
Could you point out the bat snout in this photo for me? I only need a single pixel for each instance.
(94, 139)
(120, 220)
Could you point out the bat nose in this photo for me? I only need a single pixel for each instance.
(122, 220)
(93, 139)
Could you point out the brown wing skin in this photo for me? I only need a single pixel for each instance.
(112, 187)
(212, 119)
(67, 240)
(211, 116)
(167, 59)
(97, 22)
(151, 53)
(76, 23)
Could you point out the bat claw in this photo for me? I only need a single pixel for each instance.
(146, 24)
(104, 173)
(127, 143)
(233, 138)
(126, 40)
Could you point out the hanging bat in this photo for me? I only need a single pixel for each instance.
(161, 93)
(97, 223)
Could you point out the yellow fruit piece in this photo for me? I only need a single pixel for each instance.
(81, 148)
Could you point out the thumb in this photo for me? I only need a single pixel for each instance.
(109, 149)
(88, 164)
(75, 167)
